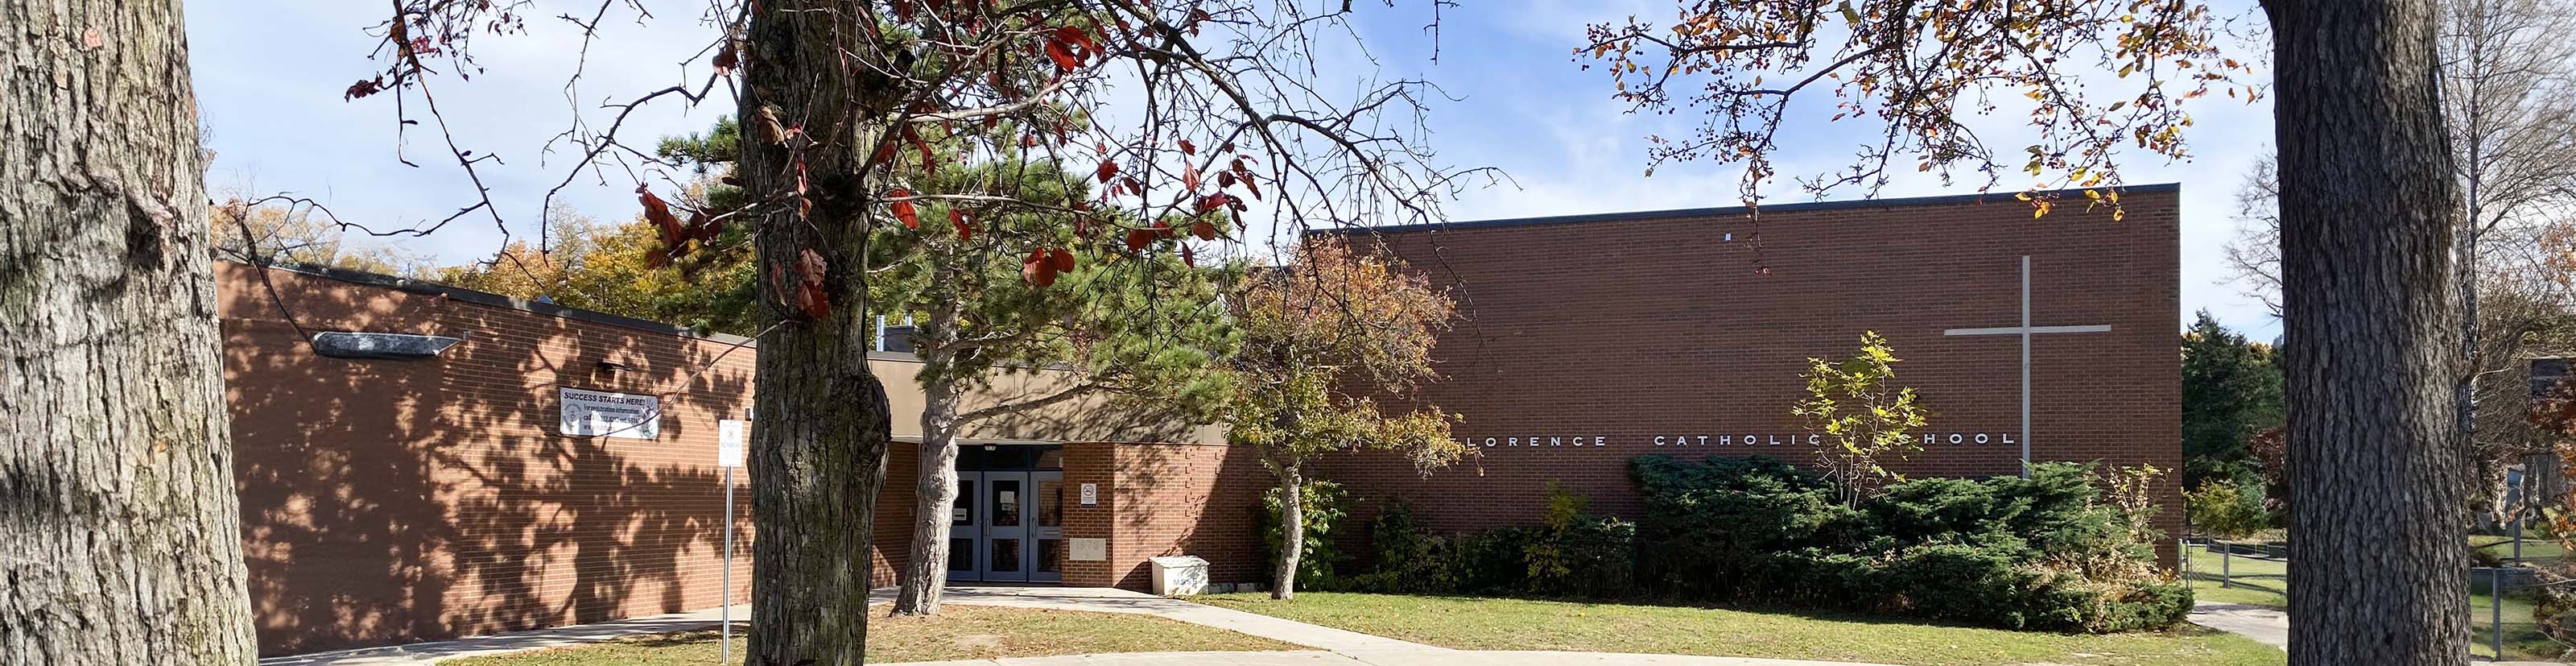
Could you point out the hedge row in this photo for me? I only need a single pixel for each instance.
(2039, 553)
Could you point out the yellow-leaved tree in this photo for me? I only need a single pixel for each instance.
(1324, 336)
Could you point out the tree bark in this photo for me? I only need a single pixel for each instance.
(1292, 531)
(2368, 206)
(818, 449)
(925, 572)
(120, 532)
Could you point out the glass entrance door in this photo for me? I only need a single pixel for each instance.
(965, 528)
(1048, 532)
(1008, 522)
(1006, 526)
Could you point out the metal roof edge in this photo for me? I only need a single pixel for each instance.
(1682, 213)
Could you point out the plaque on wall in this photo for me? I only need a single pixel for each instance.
(1087, 549)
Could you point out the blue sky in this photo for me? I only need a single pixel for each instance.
(269, 78)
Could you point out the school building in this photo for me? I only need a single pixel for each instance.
(511, 464)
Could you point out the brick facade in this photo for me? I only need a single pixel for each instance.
(391, 501)
(387, 501)
(1618, 329)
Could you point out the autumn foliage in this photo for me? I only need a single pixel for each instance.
(1913, 74)
(1325, 336)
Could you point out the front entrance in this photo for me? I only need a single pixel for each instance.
(1008, 523)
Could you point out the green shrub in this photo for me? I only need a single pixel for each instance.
(2046, 552)
(1577, 554)
(1492, 562)
(1731, 528)
(1409, 559)
(1322, 504)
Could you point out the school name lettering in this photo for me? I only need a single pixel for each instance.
(1803, 439)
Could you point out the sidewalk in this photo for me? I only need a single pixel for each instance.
(2272, 627)
(1439, 658)
(2265, 625)
(1111, 600)
(1098, 600)
(423, 653)
(1336, 647)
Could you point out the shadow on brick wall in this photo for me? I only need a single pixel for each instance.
(389, 501)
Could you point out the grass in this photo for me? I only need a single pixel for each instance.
(2264, 582)
(2533, 548)
(958, 632)
(2256, 581)
(1517, 624)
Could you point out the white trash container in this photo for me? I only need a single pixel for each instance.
(1180, 576)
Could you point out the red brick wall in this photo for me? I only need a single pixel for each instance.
(893, 534)
(396, 500)
(390, 501)
(1627, 329)
(1181, 499)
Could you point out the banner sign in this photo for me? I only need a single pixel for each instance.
(590, 413)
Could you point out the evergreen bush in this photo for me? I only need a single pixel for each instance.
(2048, 552)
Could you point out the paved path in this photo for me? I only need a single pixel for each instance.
(2272, 627)
(1412, 658)
(1336, 647)
(422, 653)
(1110, 600)
(2268, 626)
(1098, 600)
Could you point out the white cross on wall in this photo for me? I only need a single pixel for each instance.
(2025, 330)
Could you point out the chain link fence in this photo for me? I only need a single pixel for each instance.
(2256, 573)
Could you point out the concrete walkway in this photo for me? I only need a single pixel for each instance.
(2272, 627)
(422, 653)
(1417, 658)
(2265, 625)
(1336, 647)
(1110, 600)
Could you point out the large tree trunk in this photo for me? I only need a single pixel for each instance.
(818, 451)
(2368, 202)
(1292, 532)
(120, 532)
(935, 487)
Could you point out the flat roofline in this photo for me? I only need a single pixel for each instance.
(364, 278)
(1725, 211)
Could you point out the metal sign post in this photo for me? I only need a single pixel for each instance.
(729, 435)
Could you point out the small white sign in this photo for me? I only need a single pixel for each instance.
(604, 414)
(1090, 494)
(1083, 549)
(728, 443)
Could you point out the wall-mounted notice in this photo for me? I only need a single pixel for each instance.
(1087, 549)
(603, 414)
(1090, 494)
(729, 443)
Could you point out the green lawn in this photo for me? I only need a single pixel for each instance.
(958, 632)
(1515, 624)
(2257, 582)
(2533, 548)
(2263, 582)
